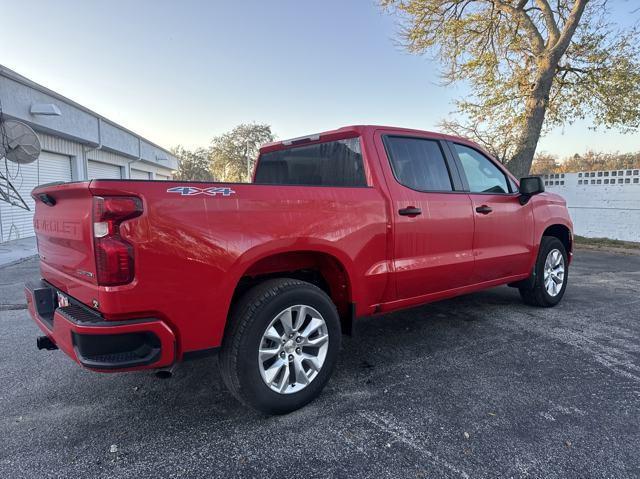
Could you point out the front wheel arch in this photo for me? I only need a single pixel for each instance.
(563, 233)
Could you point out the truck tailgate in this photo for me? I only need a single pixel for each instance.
(63, 227)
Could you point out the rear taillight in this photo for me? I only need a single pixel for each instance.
(114, 255)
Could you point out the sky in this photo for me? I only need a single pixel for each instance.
(181, 72)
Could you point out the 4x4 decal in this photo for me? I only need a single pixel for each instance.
(194, 190)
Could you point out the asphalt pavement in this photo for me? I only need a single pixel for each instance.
(477, 386)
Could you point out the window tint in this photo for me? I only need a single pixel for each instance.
(483, 176)
(418, 164)
(334, 163)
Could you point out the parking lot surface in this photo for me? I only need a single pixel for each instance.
(478, 386)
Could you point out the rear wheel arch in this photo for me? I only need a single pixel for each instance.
(319, 268)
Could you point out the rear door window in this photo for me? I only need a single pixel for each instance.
(418, 163)
(333, 163)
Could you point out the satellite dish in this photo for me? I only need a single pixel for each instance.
(18, 142)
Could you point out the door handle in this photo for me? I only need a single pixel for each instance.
(484, 209)
(410, 211)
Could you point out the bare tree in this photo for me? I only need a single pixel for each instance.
(531, 65)
(544, 163)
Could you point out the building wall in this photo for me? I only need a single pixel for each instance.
(602, 204)
(74, 131)
(80, 153)
(18, 97)
(13, 219)
(75, 122)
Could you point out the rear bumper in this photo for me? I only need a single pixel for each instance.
(96, 343)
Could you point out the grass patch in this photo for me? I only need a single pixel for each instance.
(605, 243)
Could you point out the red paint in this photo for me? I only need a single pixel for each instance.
(62, 329)
(190, 252)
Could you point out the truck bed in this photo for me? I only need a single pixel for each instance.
(194, 241)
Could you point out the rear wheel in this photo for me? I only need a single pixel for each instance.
(551, 273)
(281, 345)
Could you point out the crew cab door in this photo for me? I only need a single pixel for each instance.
(503, 237)
(432, 218)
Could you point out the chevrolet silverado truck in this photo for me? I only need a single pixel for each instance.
(335, 226)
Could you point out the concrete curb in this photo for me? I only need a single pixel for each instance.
(608, 249)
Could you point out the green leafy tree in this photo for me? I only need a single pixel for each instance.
(229, 152)
(531, 65)
(193, 164)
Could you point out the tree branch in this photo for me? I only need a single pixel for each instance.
(549, 20)
(534, 33)
(569, 28)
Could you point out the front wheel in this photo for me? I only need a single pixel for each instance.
(281, 345)
(550, 276)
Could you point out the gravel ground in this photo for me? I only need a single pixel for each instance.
(478, 386)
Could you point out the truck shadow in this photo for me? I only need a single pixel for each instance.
(380, 344)
(369, 364)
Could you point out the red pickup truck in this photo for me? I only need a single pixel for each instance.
(335, 226)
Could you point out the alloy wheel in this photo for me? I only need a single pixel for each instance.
(554, 272)
(293, 349)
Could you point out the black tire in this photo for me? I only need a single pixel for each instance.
(248, 322)
(537, 294)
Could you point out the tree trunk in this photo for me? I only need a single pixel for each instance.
(535, 110)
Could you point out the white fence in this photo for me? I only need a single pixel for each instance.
(603, 204)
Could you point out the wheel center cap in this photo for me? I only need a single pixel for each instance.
(290, 346)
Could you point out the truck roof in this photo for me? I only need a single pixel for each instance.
(355, 130)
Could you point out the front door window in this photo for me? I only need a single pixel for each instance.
(482, 175)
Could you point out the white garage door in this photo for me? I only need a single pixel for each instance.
(161, 177)
(16, 222)
(53, 167)
(98, 170)
(140, 175)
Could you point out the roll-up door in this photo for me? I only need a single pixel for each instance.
(16, 222)
(99, 170)
(140, 175)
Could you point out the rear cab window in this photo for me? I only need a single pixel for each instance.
(332, 163)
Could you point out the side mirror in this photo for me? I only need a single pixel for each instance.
(529, 186)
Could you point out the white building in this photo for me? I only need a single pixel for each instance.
(77, 144)
(602, 204)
